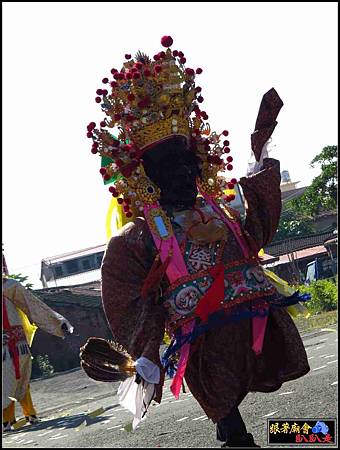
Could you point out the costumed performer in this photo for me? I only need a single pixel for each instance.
(20, 307)
(186, 266)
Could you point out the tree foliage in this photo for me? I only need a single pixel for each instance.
(292, 224)
(321, 195)
(22, 279)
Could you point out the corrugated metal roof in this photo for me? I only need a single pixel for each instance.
(283, 259)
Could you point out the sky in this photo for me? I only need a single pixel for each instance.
(55, 55)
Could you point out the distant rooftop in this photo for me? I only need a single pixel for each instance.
(307, 252)
(290, 194)
(299, 243)
(78, 278)
(86, 295)
(75, 254)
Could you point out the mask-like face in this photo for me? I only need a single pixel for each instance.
(174, 169)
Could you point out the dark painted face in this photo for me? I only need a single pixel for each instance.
(174, 169)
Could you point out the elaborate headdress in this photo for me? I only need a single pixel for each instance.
(148, 102)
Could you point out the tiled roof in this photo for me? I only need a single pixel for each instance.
(293, 193)
(299, 243)
(85, 296)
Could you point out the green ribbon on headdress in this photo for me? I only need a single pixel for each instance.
(105, 161)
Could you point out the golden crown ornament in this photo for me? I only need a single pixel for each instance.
(147, 102)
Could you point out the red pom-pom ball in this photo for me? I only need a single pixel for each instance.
(98, 99)
(225, 133)
(189, 71)
(229, 167)
(233, 180)
(200, 99)
(167, 41)
(230, 158)
(105, 80)
(103, 123)
(199, 70)
(127, 56)
(120, 201)
(102, 170)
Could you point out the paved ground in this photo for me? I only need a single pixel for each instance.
(65, 401)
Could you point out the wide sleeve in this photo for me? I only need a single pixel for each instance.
(36, 310)
(263, 202)
(136, 323)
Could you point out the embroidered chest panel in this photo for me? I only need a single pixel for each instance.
(202, 257)
(243, 281)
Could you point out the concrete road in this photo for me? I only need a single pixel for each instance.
(65, 401)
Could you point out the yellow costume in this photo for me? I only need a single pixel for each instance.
(20, 307)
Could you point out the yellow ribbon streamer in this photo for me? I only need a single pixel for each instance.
(29, 328)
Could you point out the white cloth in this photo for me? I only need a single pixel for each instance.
(136, 398)
(255, 166)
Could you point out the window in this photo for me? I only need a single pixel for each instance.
(72, 266)
(58, 271)
(99, 258)
(86, 264)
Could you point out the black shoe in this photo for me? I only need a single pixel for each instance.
(6, 426)
(245, 440)
(32, 419)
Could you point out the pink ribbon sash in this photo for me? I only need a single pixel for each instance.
(176, 269)
(259, 323)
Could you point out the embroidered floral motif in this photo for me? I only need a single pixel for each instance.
(243, 281)
(187, 299)
(235, 278)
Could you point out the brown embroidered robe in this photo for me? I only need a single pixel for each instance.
(222, 367)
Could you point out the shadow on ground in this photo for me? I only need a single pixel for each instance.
(65, 421)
